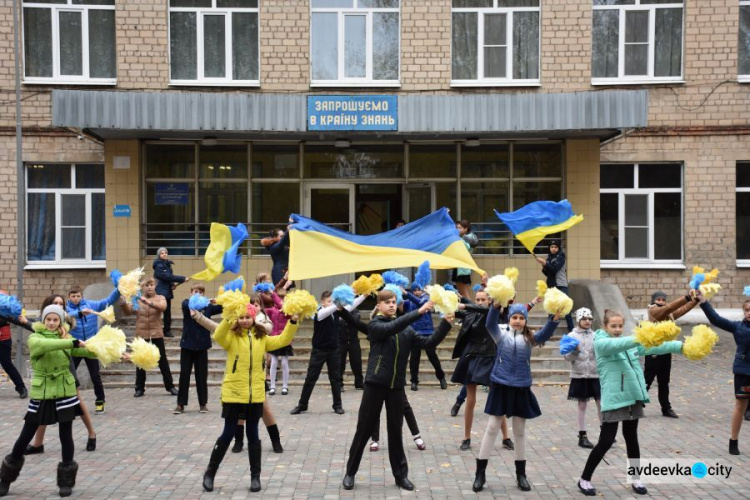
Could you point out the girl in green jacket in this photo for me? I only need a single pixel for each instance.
(623, 392)
(53, 397)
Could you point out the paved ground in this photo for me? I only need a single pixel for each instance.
(146, 452)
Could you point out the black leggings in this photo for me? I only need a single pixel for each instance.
(251, 425)
(27, 434)
(606, 438)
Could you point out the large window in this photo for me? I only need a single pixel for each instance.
(65, 215)
(213, 42)
(637, 41)
(641, 214)
(69, 41)
(743, 212)
(355, 42)
(743, 49)
(495, 42)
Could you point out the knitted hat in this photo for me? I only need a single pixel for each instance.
(555, 242)
(658, 295)
(415, 286)
(518, 309)
(53, 309)
(583, 312)
(252, 311)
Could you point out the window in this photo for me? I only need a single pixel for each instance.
(65, 215)
(355, 42)
(641, 214)
(637, 41)
(213, 42)
(69, 41)
(744, 41)
(495, 42)
(743, 212)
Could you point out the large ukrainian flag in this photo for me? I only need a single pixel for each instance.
(317, 250)
(532, 222)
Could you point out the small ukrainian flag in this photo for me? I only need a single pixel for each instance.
(222, 253)
(532, 222)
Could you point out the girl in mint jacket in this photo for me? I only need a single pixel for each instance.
(623, 393)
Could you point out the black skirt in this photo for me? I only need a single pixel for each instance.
(465, 278)
(584, 389)
(53, 411)
(473, 370)
(235, 411)
(284, 351)
(512, 402)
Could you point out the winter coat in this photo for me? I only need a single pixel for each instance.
(280, 256)
(423, 325)
(391, 340)
(272, 308)
(470, 241)
(741, 332)
(473, 334)
(49, 356)
(194, 336)
(554, 270)
(87, 325)
(675, 309)
(165, 278)
(583, 360)
(513, 360)
(148, 323)
(619, 367)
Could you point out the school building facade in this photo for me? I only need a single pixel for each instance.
(144, 121)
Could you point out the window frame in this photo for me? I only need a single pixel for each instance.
(509, 81)
(621, 78)
(648, 263)
(59, 263)
(742, 78)
(57, 78)
(342, 12)
(201, 13)
(737, 189)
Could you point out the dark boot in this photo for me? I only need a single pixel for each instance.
(239, 436)
(217, 455)
(747, 413)
(273, 433)
(66, 477)
(480, 478)
(583, 440)
(734, 448)
(9, 471)
(253, 451)
(523, 483)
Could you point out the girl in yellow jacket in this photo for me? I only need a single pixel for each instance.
(243, 388)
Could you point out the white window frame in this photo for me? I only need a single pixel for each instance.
(509, 81)
(738, 189)
(59, 262)
(622, 79)
(740, 77)
(56, 77)
(202, 12)
(650, 262)
(367, 81)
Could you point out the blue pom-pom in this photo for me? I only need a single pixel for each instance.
(746, 293)
(343, 295)
(423, 275)
(237, 284)
(134, 300)
(115, 276)
(697, 280)
(10, 307)
(198, 302)
(450, 288)
(476, 288)
(263, 288)
(395, 289)
(394, 278)
(568, 344)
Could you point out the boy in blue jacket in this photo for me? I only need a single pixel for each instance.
(423, 326)
(87, 325)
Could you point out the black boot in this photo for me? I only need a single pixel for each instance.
(9, 471)
(273, 433)
(253, 451)
(239, 436)
(66, 477)
(583, 440)
(523, 483)
(747, 413)
(734, 448)
(217, 455)
(479, 478)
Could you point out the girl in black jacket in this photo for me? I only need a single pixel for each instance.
(165, 282)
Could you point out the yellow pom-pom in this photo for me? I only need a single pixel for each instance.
(500, 289)
(511, 273)
(300, 302)
(650, 334)
(108, 344)
(366, 285)
(446, 302)
(700, 343)
(144, 355)
(541, 288)
(556, 302)
(711, 276)
(234, 304)
(107, 315)
(710, 289)
(130, 284)
(23, 312)
(698, 270)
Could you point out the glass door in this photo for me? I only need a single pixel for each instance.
(419, 200)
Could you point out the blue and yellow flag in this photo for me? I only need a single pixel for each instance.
(531, 223)
(317, 250)
(221, 254)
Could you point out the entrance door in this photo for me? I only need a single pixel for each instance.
(331, 204)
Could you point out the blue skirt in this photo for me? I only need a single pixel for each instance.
(473, 370)
(512, 402)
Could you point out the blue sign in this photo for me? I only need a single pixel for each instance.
(343, 112)
(171, 193)
(121, 211)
